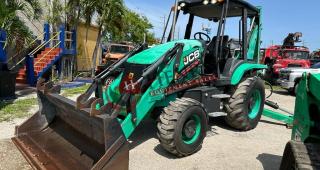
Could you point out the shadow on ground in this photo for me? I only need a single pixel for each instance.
(220, 122)
(273, 123)
(3, 104)
(269, 161)
(282, 92)
(148, 130)
(24, 90)
(159, 150)
(145, 131)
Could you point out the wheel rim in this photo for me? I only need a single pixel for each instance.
(191, 129)
(254, 104)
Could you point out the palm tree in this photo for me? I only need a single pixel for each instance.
(110, 14)
(55, 14)
(114, 21)
(17, 32)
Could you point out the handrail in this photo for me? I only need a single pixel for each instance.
(42, 45)
(4, 42)
(18, 63)
(48, 52)
(52, 33)
(25, 49)
(23, 58)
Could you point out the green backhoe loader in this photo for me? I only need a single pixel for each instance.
(303, 151)
(182, 82)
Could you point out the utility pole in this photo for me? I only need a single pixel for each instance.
(166, 26)
(174, 19)
(164, 23)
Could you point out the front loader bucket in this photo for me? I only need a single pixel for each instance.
(60, 136)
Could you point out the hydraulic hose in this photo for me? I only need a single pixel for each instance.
(271, 89)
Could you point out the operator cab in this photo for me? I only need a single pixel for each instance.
(220, 53)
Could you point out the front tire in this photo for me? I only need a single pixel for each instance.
(182, 127)
(298, 155)
(244, 108)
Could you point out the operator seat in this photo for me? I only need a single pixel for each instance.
(210, 58)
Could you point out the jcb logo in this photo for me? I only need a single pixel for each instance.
(191, 57)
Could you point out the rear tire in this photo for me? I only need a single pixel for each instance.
(244, 108)
(288, 160)
(182, 127)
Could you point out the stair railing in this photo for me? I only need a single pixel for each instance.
(3, 42)
(21, 60)
(48, 52)
(43, 44)
(31, 79)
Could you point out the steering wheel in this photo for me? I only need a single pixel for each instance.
(199, 35)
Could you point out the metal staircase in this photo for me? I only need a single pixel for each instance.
(42, 63)
(39, 61)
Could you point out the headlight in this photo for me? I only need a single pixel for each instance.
(213, 1)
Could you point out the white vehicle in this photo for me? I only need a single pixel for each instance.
(290, 77)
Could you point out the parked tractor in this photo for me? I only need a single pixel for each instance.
(286, 55)
(303, 151)
(183, 82)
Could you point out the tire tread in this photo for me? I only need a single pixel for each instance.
(168, 120)
(234, 106)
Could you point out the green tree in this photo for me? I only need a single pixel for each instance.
(55, 15)
(135, 28)
(151, 39)
(115, 22)
(109, 18)
(17, 32)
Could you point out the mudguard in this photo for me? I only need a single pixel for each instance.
(242, 69)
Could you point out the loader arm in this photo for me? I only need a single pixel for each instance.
(165, 77)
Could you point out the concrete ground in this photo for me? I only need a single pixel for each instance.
(223, 148)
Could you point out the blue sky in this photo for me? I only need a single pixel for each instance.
(279, 18)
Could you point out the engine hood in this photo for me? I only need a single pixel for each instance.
(293, 63)
(151, 55)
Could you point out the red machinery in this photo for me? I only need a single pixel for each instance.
(286, 55)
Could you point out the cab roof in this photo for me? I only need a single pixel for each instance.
(212, 11)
